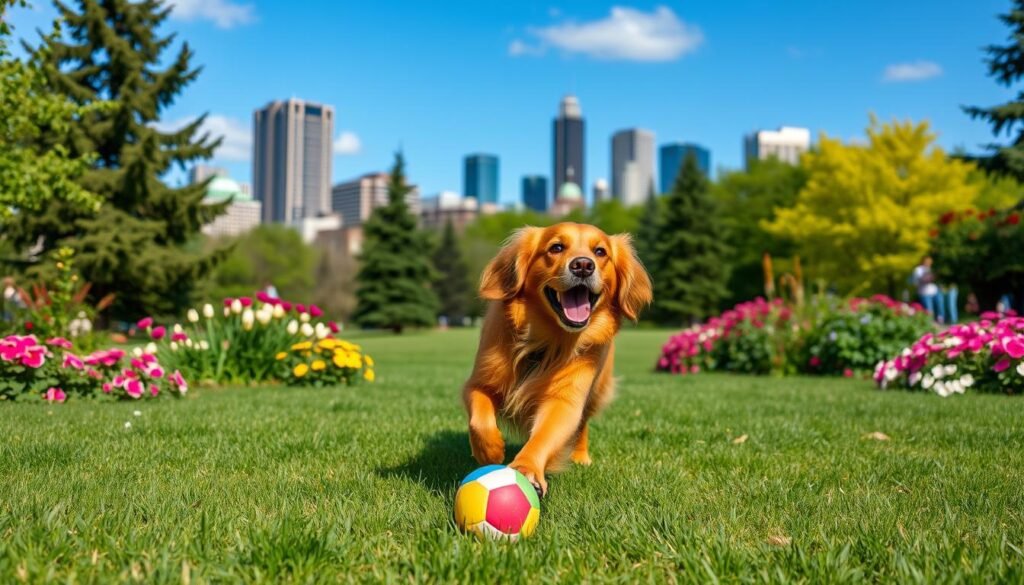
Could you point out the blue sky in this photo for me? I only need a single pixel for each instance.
(445, 79)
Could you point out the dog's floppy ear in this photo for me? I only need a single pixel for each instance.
(505, 276)
(635, 291)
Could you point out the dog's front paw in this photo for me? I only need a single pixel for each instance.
(532, 473)
(488, 446)
(581, 458)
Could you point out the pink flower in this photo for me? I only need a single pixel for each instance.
(59, 342)
(1014, 347)
(178, 380)
(34, 357)
(314, 311)
(246, 301)
(72, 361)
(300, 308)
(814, 362)
(263, 297)
(1001, 365)
(694, 369)
(158, 332)
(154, 390)
(333, 327)
(145, 323)
(179, 336)
(286, 306)
(107, 387)
(155, 372)
(133, 388)
(847, 373)
(55, 395)
(228, 301)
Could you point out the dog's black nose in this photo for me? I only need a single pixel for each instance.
(581, 267)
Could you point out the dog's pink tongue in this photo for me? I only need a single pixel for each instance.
(575, 304)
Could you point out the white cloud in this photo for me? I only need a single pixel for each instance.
(222, 13)
(348, 143)
(913, 71)
(236, 145)
(625, 34)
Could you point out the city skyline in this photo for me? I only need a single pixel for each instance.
(716, 75)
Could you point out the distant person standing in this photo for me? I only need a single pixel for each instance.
(11, 299)
(951, 297)
(270, 290)
(927, 290)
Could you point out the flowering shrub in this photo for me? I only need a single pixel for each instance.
(237, 344)
(985, 356)
(327, 362)
(762, 337)
(51, 370)
(854, 337)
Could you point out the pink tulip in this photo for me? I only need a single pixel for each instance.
(145, 323)
(286, 306)
(1001, 365)
(158, 332)
(179, 336)
(228, 301)
(333, 327)
(314, 311)
(300, 308)
(246, 301)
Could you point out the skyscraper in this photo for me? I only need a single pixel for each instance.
(291, 173)
(786, 144)
(480, 177)
(568, 145)
(632, 166)
(356, 199)
(535, 192)
(201, 172)
(671, 159)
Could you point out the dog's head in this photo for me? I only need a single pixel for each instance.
(571, 272)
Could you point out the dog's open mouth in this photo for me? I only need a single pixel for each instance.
(572, 306)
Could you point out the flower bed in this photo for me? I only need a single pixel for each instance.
(51, 370)
(825, 338)
(982, 356)
(241, 343)
(327, 362)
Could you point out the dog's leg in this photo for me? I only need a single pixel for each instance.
(580, 453)
(484, 437)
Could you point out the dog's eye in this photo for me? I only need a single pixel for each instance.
(599, 251)
(556, 248)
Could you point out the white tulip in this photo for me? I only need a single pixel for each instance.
(177, 328)
(248, 318)
(304, 317)
(189, 343)
(264, 317)
(227, 311)
(204, 345)
(137, 352)
(193, 315)
(321, 331)
(278, 311)
(293, 327)
(208, 311)
(150, 348)
(174, 346)
(307, 330)
(1020, 368)
(236, 306)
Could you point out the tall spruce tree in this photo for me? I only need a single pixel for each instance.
(395, 274)
(689, 268)
(1006, 65)
(451, 284)
(135, 246)
(648, 230)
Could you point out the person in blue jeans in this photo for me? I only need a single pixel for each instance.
(952, 312)
(927, 290)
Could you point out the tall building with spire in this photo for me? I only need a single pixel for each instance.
(568, 145)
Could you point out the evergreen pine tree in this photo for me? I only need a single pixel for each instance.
(395, 274)
(688, 267)
(135, 245)
(1006, 65)
(451, 284)
(649, 230)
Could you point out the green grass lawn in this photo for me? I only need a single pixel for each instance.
(340, 484)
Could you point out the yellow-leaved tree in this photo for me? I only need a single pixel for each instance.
(863, 218)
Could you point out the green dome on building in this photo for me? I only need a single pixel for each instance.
(222, 188)
(570, 190)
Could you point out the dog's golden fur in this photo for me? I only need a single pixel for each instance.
(546, 377)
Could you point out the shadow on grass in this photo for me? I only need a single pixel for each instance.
(441, 464)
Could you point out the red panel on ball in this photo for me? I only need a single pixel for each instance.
(507, 508)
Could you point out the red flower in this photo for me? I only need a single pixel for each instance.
(158, 332)
(947, 217)
(848, 373)
(815, 361)
(246, 301)
(28, 325)
(333, 327)
(933, 233)
(314, 311)
(145, 323)
(1014, 218)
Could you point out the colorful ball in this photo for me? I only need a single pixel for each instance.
(497, 502)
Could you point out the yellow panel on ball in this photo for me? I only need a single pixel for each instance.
(470, 504)
(530, 523)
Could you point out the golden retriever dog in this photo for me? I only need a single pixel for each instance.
(558, 296)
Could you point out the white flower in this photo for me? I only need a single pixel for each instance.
(1020, 368)
(278, 311)
(293, 327)
(204, 345)
(967, 380)
(193, 315)
(307, 330)
(891, 373)
(914, 378)
(950, 369)
(137, 413)
(236, 306)
(150, 348)
(248, 318)
(137, 352)
(227, 311)
(938, 371)
(954, 387)
(264, 316)
(927, 382)
(128, 425)
(321, 331)
(906, 351)
(208, 311)
(189, 343)
(942, 390)
(174, 346)
(304, 317)
(177, 328)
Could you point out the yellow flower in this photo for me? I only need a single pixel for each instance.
(302, 345)
(326, 343)
(339, 360)
(319, 365)
(300, 370)
(369, 360)
(369, 375)
(280, 356)
(345, 345)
